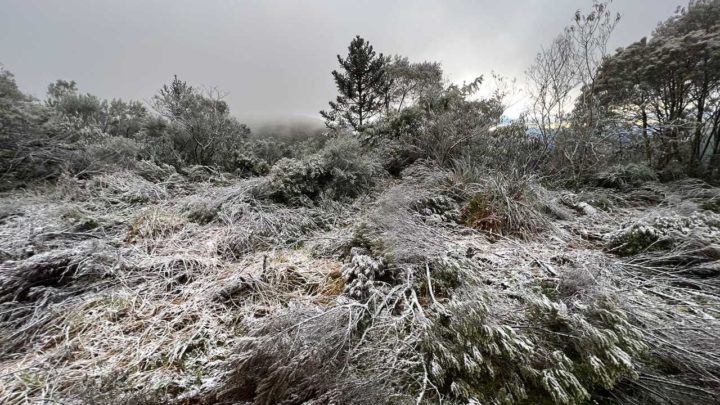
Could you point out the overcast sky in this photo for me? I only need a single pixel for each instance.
(275, 57)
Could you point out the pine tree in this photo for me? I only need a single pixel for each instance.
(361, 84)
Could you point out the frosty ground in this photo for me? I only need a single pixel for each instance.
(159, 287)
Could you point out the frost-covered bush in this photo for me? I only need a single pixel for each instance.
(201, 212)
(621, 176)
(396, 156)
(672, 171)
(30, 157)
(28, 149)
(664, 233)
(159, 145)
(561, 355)
(294, 179)
(246, 164)
(440, 208)
(154, 172)
(114, 151)
(80, 220)
(201, 173)
(341, 169)
(352, 169)
(712, 204)
(362, 272)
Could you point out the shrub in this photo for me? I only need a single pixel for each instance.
(621, 176)
(438, 208)
(36, 157)
(201, 212)
(361, 273)
(149, 170)
(201, 173)
(113, 151)
(637, 239)
(396, 156)
(340, 170)
(80, 220)
(712, 204)
(293, 179)
(563, 356)
(199, 123)
(664, 233)
(271, 146)
(246, 164)
(154, 135)
(352, 170)
(672, 171)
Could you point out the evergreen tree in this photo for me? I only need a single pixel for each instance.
(361, 84)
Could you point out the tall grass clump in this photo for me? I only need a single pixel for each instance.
(505, 205)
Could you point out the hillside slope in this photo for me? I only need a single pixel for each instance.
(124, 289)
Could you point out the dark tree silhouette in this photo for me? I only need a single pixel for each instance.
(361, 84)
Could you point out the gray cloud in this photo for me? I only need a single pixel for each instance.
(275, 57)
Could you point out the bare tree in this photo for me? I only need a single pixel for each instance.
(561, 80)
(551, 79)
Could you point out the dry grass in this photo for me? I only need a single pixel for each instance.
(154, 304)
(508, 206)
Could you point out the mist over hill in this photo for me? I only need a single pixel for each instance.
(284, 126)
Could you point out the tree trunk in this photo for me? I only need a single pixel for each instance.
(646, 138)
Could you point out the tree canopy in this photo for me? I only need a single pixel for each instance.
(670, 83)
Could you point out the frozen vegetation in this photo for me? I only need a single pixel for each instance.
(420, 249)
(118, 289)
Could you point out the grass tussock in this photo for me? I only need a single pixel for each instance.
(506, 206)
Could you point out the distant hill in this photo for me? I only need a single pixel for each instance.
(283, 126)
